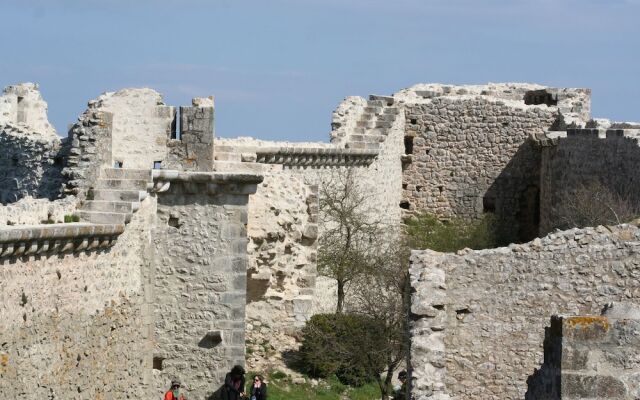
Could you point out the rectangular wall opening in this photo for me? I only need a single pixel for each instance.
(22, 117)
(408, 145)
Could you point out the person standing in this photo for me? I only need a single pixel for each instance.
(258, 389)
(174, 392)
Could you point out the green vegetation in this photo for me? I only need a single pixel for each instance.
(281, 387)
(71, 218)
(427, 231)
(342, 345)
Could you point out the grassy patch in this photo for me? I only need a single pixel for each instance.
(280, 387)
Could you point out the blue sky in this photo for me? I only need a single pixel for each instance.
(279, 67)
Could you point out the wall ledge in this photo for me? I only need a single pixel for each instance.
(57, 238)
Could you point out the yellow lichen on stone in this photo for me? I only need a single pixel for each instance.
(583, 322)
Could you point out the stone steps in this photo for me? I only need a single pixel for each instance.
(110, 206)
(123, 184)
(99, 217)
(123, 173)
(373, 126)
(118, 195)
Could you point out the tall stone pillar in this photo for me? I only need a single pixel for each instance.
(196, 134)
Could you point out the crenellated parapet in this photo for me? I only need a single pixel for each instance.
(49, 240)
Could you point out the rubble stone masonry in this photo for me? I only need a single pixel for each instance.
(479, 317)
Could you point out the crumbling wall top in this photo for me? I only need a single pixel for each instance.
(22, 106)
(573, 103)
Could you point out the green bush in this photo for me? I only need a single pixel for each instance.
(71, 218)
(332, 344)
(426, 231)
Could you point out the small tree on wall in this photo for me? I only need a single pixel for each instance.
(351, 232)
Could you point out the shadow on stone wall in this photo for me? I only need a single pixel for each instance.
(514, 197)
(545, 383)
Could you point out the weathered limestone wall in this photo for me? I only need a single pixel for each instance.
(479, 316)
(472, 155)
(581, 158)
(467, 151)
(588, 357)
(200, 280)
(142, 126)
(88, 151)
(193, 151)
(30, 211)
(284, 289)
(22, 105)
(29, 164)
(75, 326)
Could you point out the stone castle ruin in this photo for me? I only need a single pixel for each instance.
(141, 248)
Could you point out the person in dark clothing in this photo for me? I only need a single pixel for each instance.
(401, 393)
(258, 389)
(233, 387)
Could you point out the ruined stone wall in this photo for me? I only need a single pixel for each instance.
(193, 151)
(588, 357)
(22, 105)
(479, 316)
(75, 325)
(281, 276)
(142, 126)
(580, 159)
(88, 150)
(29, 164)
(30, 211)
(469, 155)
(284, 288)
(200, 280)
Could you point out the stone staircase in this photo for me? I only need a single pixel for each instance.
(373, 126)
(115, 196)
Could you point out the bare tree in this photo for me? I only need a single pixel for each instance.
(349, 231)
(383, 295)
(596, 204)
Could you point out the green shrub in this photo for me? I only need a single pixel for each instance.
(71, 218)
(333, 344)
(427, 231)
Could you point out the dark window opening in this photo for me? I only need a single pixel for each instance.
(427, 151)
(157, 363)
(537, 97)
(404, 186)
(157, 165)
(489, 205)
(441, 189)
(22, 117)
(414, 121)
(408, 145)
(118, 164)
(405, 205)
(174, 132)
(174, 222)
